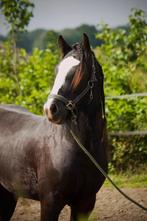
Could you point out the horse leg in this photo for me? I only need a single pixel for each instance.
(7, 204)
(51, 208)
(81, 210)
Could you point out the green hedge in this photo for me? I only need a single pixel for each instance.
(123, 57)
(26, 80)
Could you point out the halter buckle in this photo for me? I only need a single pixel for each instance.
(70, 105)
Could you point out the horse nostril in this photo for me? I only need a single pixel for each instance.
(54, 109)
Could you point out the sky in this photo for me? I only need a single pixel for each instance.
(60, 14)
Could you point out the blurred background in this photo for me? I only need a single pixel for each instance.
(71, 19)
(118, 35)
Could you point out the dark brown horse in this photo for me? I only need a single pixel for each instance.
(39, 159)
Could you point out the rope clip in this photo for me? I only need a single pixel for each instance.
(70, 105)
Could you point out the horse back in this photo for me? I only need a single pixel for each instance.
(15, 118)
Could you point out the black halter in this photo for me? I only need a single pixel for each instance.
(71, 104)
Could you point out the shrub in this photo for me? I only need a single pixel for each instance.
(123, 55)
(26, 80)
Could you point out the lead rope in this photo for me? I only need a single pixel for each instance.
(103, 172)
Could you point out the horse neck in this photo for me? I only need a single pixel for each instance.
(90, 125)
(95, 121)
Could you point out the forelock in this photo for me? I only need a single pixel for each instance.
(78, 49)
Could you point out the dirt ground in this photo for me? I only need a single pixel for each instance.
(110, 206)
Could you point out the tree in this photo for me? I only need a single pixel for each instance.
(125, 45)
(74, 35)
(17, 13)
(50, 40)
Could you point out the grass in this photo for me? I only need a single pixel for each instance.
(128, 180)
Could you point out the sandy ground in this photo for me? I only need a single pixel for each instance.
(110, 206)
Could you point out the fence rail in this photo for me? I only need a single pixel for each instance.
(127, 133)
(126, 96)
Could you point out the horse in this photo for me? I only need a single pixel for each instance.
(39, 158)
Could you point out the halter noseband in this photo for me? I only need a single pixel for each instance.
(71, 104)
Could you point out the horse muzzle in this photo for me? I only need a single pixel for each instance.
(55, 111)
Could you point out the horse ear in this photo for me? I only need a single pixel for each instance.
(63, 45)
(85, 43)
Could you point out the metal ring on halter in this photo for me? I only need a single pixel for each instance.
(91, 84)
(70, 105)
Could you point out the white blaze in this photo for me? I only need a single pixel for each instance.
(63, 69)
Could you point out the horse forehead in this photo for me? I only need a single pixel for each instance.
(63, 69)
(66, 64)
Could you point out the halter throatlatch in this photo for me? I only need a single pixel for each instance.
(71, 104)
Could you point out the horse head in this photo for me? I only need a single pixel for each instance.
(77, 82)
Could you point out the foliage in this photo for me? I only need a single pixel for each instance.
(24, 79)
(129, 179)
(74, 35)
(128, 153)
(30, 40)
(36, 79)
(17, 13)
(123, 55)
(26, 82)
(40, 38)
(50, 40)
